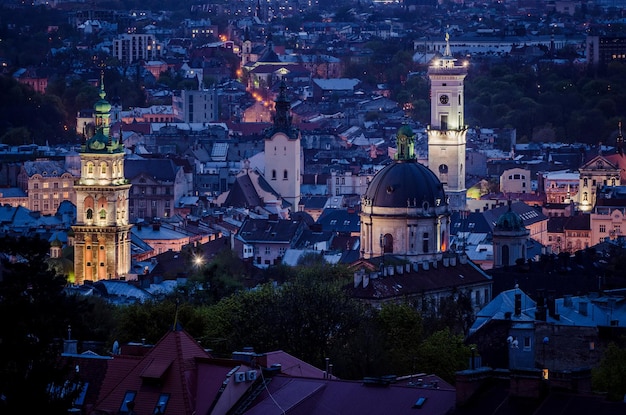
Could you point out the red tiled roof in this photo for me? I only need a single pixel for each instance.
(177, 348)
(302, 396)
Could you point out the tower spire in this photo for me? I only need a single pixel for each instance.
(282, 118)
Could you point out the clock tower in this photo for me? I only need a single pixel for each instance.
(447, 130)
(102, 231)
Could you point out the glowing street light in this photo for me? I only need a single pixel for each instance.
(198, 260)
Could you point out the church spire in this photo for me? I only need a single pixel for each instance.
(282, 118)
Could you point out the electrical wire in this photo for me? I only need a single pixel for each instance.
(270, 393)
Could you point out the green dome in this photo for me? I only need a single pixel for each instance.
(102, 106)
(406, 131)
(510, 221)
(97, 142)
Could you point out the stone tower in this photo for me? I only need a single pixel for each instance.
(283, 152)
(102, 231)
(447, 130)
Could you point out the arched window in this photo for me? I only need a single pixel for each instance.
(103, 168)
(425, 242)
(585, 182)
(613, 181)
(285, 175)
(103, 214)
(387, 243)
(89, 214)
(585, 196)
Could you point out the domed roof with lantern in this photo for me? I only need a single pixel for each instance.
(510, 222)
(405, 182)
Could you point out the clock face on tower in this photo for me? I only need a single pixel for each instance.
(444, 99)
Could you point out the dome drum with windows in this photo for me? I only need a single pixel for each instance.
(404, 210)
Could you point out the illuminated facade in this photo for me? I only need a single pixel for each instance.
(102, 231)
(447, 130)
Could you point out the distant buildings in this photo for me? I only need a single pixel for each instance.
(132, 48)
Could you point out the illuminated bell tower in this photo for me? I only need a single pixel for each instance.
(447, 130)
(283, 152)
(102, 232)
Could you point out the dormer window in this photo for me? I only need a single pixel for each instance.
(162, 403)
(128, 403)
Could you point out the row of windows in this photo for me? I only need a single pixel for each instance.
(55, 195)
(593, 182)
(46, 185)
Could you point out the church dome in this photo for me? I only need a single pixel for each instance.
(404, 183)
(510, 222)
(102, 106)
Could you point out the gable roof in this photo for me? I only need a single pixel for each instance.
(591, 164)
(167, 368)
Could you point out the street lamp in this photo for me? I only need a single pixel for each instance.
(198, 260)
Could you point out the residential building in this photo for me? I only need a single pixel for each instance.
(14, 197)
(158, 184)
(265, 241)
(561, 187)
(131, 48)
(346, 183)
(515, 180)
(195, 106)
(164, 237)
(46, 183)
